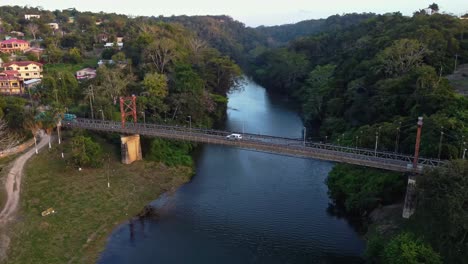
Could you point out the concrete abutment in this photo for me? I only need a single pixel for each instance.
(130, 148)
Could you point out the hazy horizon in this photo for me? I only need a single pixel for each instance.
(251, 13)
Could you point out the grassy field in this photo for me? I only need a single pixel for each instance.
(86, 209)
(72, 68)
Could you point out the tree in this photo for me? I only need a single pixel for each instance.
(402, 56)
(33, 29)
(7, 138)
(48, 123)
(156, 84)
(85, 152)
(226, 74)
(160, 53)
(406, 248)
(112, 82)
(33, 126)
(316, 87)
(442, 211)
(74, 55)
(434, 7)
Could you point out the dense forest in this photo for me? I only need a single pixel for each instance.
(377, 77)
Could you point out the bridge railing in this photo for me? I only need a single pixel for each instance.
(289, 143)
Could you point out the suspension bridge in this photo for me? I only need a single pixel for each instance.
(279, 145)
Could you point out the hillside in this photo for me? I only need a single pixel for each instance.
(282, 34)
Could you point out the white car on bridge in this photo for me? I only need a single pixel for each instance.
(234, 137)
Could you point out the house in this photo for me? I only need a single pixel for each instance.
(31, 16)
(27, 69)
(85, 74)
(10, 82)
(105, 62)
(18, 34)
(53, 26)
(71, 20)
(119, 39)
(119, 45)
(103, 37)
(13, 45)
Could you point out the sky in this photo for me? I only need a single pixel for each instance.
(250, 12)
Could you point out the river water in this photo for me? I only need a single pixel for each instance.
(244, 206)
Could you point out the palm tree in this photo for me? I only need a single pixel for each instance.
(48, 123)
(33, 126)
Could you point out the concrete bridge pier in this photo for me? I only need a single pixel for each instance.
(130, 148)
(410, 199)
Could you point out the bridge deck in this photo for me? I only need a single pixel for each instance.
(285, 146)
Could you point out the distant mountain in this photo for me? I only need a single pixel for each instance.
(282, 34)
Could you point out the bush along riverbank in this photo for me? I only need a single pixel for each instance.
(436, 233)
(86, 209)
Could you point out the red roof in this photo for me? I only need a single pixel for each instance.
(13, 40)
(21, 63)
(10, 72)
(9, 75)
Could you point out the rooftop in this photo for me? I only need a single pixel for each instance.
(22, 63)
(14, 40)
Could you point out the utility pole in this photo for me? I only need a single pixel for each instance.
(91, 99)
(357, 138)
(144, 117)
(305, 132)
(440, 141)
(102, 114)
(418, 142)
(397, 140)
(190, 122)
(377, 133)
(464, 152)
(462, 144)
(456, 58)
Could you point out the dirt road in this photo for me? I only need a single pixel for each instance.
(13, 188)
(13, 182)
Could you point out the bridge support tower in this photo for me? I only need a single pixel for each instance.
(410, 198)
(131, 148)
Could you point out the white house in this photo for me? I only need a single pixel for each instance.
(29, 16)
(111, 45)
(53, 26)
(86, 73)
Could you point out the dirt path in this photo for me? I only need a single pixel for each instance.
(13, 188)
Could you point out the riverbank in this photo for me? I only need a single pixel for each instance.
(86, 210)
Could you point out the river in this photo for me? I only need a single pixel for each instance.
(244, 206)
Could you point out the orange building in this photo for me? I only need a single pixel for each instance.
(10, 83)
(27, 69)
(13, 45)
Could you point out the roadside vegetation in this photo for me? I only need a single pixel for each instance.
(86, 210)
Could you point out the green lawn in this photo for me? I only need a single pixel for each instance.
(86, 210)
(72, 68)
